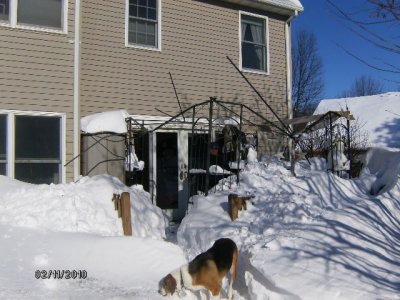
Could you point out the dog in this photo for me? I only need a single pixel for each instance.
(237, 203)
(205, 271)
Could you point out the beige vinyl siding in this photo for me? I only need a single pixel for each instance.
(36, 73)
(196, 38)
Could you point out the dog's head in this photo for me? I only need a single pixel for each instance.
(167, 285)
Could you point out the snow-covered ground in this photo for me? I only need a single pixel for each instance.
(312, 237)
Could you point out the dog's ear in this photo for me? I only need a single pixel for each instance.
(169, 284)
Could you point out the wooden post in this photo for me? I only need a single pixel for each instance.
(126, 213)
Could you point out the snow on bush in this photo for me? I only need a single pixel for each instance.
(316, 236)
(84, 206)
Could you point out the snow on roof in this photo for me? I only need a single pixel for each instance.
(379, 115)
(292, 4)
(110, 121)
(279, 6)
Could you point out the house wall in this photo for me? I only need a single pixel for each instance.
(36, 73)
(196, 38)
(37, 67)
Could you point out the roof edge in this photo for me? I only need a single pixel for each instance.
(270, 5)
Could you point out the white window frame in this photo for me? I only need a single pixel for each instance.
(159, 22)
(10, 140)
(241, 12)
(13, 20)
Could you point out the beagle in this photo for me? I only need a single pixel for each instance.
(206, 271)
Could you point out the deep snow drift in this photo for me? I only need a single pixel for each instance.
(84, 206)
(312, 237)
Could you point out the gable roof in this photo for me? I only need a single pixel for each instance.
(284, 7)
(379, 115)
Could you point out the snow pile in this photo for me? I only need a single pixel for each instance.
(117, 267)
(312, 237)
(252, 155)
(110, 121)
(381, 120)
(217, 170)
(84, 206)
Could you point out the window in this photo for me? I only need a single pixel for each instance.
(37, 149)
(253, 33)
(45, 14)
(3, 144)
(4, 9)
(35, 145)
(143, 23)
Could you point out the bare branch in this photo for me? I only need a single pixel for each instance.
(365, 62)
(353, 21)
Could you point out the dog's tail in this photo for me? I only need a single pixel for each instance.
(233, 272)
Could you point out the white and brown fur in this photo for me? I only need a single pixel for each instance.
(206, 271)
(237, 203)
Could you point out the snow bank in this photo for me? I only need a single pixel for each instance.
(312, 237)
(84, 206)
(110, 121)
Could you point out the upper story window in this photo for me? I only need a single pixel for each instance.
(143, 23)
(45, 14)
(254, 47)
(4, 10)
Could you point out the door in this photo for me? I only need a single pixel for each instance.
(171, 173)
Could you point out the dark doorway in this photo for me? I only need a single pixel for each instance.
(167, 170)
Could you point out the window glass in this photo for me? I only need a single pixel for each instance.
(254, 46)
(38, 172)
(3, 168)
(37, 149)
(47, 13)
(3, 137)
(3, 144)
(143, 22)
(37, 137)
(4, 9)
